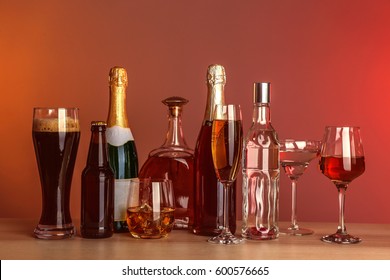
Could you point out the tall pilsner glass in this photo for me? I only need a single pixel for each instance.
(56, 135)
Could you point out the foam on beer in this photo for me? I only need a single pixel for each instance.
(56, 125)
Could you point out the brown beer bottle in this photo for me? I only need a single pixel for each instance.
(208, 206)
(97, 188)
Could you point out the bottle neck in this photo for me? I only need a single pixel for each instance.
(215, 95)
(175, 135)
(98, 154)
(117, 115)
(262, 115)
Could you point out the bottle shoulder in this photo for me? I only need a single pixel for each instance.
(127, 147)
(265, 137)
(172, 152)
(204, 136)
(118, 136)
(256, 126)
(163, 166)
(98, 170)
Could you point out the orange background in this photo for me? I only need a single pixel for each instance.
(328, 62)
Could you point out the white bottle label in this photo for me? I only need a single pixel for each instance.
(122, 187)
(118, 136)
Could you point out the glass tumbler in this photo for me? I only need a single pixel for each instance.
(150, 208)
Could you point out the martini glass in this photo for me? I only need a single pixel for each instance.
(295, 156)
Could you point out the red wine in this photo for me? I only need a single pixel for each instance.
(340, 169)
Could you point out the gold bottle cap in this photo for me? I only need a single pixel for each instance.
(216, 74)
(98, 123)
(118, 77)
(117, 115)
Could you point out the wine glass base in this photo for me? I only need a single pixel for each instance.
(227, 239)
(341, 238)
(296, 231)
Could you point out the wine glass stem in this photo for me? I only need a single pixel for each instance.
(342, 188)
(226, 192)
(294, 224)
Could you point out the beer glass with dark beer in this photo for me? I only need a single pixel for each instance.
(56, 135)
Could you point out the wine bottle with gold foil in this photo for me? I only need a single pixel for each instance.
(121, 146)
(208, 208)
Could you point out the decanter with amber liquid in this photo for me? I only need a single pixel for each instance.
(174, 160)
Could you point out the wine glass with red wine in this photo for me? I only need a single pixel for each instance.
(342, 160)
(226, 149)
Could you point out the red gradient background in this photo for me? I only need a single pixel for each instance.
(328, 62)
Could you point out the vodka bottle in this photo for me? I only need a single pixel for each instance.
(260, 170)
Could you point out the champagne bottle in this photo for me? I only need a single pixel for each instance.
(97, 188)
(121, 146)
(208, 208)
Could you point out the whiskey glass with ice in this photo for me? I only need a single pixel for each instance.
(150, 208)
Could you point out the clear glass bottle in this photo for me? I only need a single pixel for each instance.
(121, 146)
(208, 218)
(260, 171)
(174, 160)
(97, 188)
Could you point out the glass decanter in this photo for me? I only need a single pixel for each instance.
(174, 160)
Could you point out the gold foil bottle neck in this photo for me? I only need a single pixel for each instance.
(118, 77)
(117, 115)
(216, 74)
(216, 80)
(98, 123)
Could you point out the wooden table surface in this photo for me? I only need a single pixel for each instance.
(18, 243)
